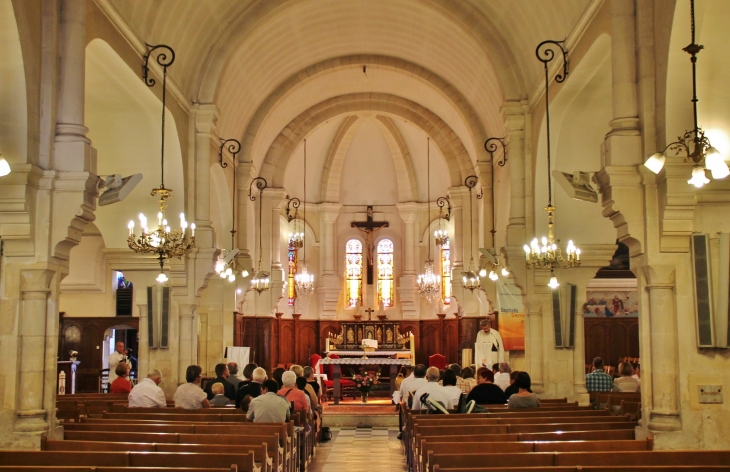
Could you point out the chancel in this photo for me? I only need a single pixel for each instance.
(365, 197)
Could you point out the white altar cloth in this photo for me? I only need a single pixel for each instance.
(379, 353)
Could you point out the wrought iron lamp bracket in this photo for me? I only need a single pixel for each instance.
(292, 203)
(261, 184)
(165, 59)
(490, 145)
(233, 146)
(545, 53)
(444, 202)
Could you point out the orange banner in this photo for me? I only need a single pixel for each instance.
(511, 316)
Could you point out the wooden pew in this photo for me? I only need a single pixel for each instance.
(647, 468)
(432, 447)
(40, 468)
(209, 416)
(259, 449)
(143, 440)
(632, 459)
(243, 461)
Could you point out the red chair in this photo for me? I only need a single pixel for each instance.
(313, 359)
(346, 385)
(437, 360)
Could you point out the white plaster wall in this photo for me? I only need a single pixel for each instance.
(13, 107)
(124, 120)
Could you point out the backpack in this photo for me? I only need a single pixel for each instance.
(326, 433)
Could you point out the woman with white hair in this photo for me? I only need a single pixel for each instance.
(292, 393)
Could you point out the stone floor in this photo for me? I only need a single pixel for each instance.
(360, 450)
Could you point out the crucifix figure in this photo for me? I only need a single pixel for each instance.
(369, 312)
(369, 227)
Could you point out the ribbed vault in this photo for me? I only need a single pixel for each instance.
(455, 154)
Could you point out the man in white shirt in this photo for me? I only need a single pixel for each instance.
(434, 390)
(501, 378)
(119, 355)
(147, 393)
(413, 382)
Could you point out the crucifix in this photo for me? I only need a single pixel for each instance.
(369, 311)
(369, 227)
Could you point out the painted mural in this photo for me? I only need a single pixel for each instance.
(611, 303)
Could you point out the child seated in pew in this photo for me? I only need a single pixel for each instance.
(218, 399)
(523, 398)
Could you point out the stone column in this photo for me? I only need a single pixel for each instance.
(71, 142)
(330, 287)
(623, 142)
(244, 215)
(534, 353)
(514, 116)
(34, 290)
(275, 198)
(206, 141)
(203, 341)
(143, 366)
(407, 284)
(187, 349)
(664, 410)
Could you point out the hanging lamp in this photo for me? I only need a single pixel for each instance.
(261, 280)
(304, 281)
(163, 241)
(548, 255)
(429, 284)
(470, 279)
(496, 266)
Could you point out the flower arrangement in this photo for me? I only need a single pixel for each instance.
(365, 380)
(72, 354)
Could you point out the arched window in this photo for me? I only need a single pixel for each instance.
(353, 272)
(446, 271)
(291, 290)
(386, 284)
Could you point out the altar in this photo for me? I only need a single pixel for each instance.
(352, 334)
(338, 363)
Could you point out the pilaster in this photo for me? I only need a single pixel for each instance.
(407, 292)
(329, 288)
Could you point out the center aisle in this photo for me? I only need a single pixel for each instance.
(360, 450)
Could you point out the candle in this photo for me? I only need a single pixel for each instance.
(192, 229)
(131, 228)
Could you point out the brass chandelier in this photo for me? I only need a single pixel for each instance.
(495, 265)
(429, 284)
(694, 142)
(163, 241)
(470, 279)
(304, 281)
(548, 254)
(261, 280)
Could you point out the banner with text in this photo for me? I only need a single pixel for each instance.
(511, 316)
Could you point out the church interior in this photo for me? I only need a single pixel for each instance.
(188, 177)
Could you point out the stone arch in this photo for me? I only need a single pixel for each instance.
(329, 66)
(407, 185)
(453, 150)
(489, 38)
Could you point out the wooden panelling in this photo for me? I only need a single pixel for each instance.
(279, 341)
(611, 339)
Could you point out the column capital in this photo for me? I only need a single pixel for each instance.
(35, 280)
(329, 211)
(206, 117)
(659, 276)
(407, 211)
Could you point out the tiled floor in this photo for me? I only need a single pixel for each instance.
(360, 450)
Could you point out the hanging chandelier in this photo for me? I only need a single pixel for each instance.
(304, 281)
(429, 284)
(494, 263)
(261, 280)
(695, 144)
(546, 254)
(441, 235)
(470, 279)
(227, 265)
(163, 241)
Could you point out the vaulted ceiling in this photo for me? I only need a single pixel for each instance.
(264, 62)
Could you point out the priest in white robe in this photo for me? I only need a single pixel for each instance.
(488, 349)
(119, 355)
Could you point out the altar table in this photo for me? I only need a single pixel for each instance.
(378, 353)
(338, 363)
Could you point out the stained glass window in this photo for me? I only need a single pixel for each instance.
(291, 289)
(353, 272)
(446, 272)
(386, 285)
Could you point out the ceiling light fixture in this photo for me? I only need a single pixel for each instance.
(429, 284)
(227, 265)
(702, 153)
(163, 241)
(494, 263)
(4, 166)
(549, 256)
(304, 281)
(470, 279)
(441, 235)
(261, 280)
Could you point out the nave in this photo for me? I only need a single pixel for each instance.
(361, 450)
